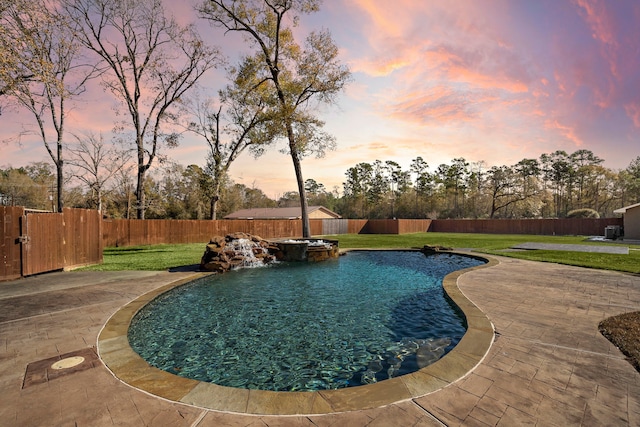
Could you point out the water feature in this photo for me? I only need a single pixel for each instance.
(240, 250)
(244, 250)
(345, 322)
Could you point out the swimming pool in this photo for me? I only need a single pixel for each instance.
(305, 327)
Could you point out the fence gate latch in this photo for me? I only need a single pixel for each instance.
(23, 239)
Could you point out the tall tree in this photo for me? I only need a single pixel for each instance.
(29, 186)
(399, 182)
(122, 198)
(454, 181)
(150, 63)
(356, 187)
(319, 195)
(423, 183)
(43, 73)
(556, 168)
(297, 77)
(95, 163)
(509, 187)
(631, 181)
(378, 189)
(242, 121)
(585, 169)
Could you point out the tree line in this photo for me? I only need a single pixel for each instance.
(556, 185)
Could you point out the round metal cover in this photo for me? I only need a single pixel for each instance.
(69, 362)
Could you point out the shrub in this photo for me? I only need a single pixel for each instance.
(583, 213)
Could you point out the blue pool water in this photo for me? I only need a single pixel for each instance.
(301, 327)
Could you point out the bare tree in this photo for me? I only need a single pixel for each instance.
(151, 63)
(241, 121)
(294, 78)
(41, 72)
(122, 193)
(95, 164)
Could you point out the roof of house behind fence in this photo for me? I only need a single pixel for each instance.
(282, 213)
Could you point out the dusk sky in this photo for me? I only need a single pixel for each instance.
(495, 81)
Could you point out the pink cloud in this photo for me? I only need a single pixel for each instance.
(378, 67)
(440, 105)
(633, 112)
(565, 131)
(485, 81)
(603, 21)
(390, 19)
(597, 16)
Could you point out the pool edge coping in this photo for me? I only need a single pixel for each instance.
(126, 365)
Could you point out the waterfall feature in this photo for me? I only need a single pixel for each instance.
(239, 250)
(242, 253)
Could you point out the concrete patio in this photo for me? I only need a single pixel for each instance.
(548, 366)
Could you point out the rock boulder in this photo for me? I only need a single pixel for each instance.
(236, 250)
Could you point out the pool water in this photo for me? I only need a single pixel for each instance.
(363, 318)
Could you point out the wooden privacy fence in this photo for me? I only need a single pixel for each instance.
(548, 226)
(129, 232)
(37, 242)
(123, 232)
(34, 242)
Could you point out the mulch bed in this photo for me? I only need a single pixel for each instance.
(624, 332)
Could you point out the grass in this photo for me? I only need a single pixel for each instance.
(152, 258)
(623, 331)
(625, 263)
(496, 244)
(163, 257)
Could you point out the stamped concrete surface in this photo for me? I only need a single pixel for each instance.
(549, 365)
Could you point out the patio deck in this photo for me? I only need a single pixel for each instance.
(548, 366)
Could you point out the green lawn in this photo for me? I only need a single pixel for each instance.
(162, 257)
(154, 258)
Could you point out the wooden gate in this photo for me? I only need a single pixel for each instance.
(10, 253)
(42, 236)
(33, 242)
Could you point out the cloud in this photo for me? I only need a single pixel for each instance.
(488, 71)
(438, 65)
(439, 105)
(378, 67)
(565, 131)
(389, 19)
(599, 20)
(633, 112)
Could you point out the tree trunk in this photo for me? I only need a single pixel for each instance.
(306, 228)
(214, 207)
(60, 184)
(140, 193)
(142, 169)
(60, 178)
(128, 203)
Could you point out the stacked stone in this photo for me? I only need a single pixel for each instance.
(429, 249)
(223, 253)
(322, 253)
